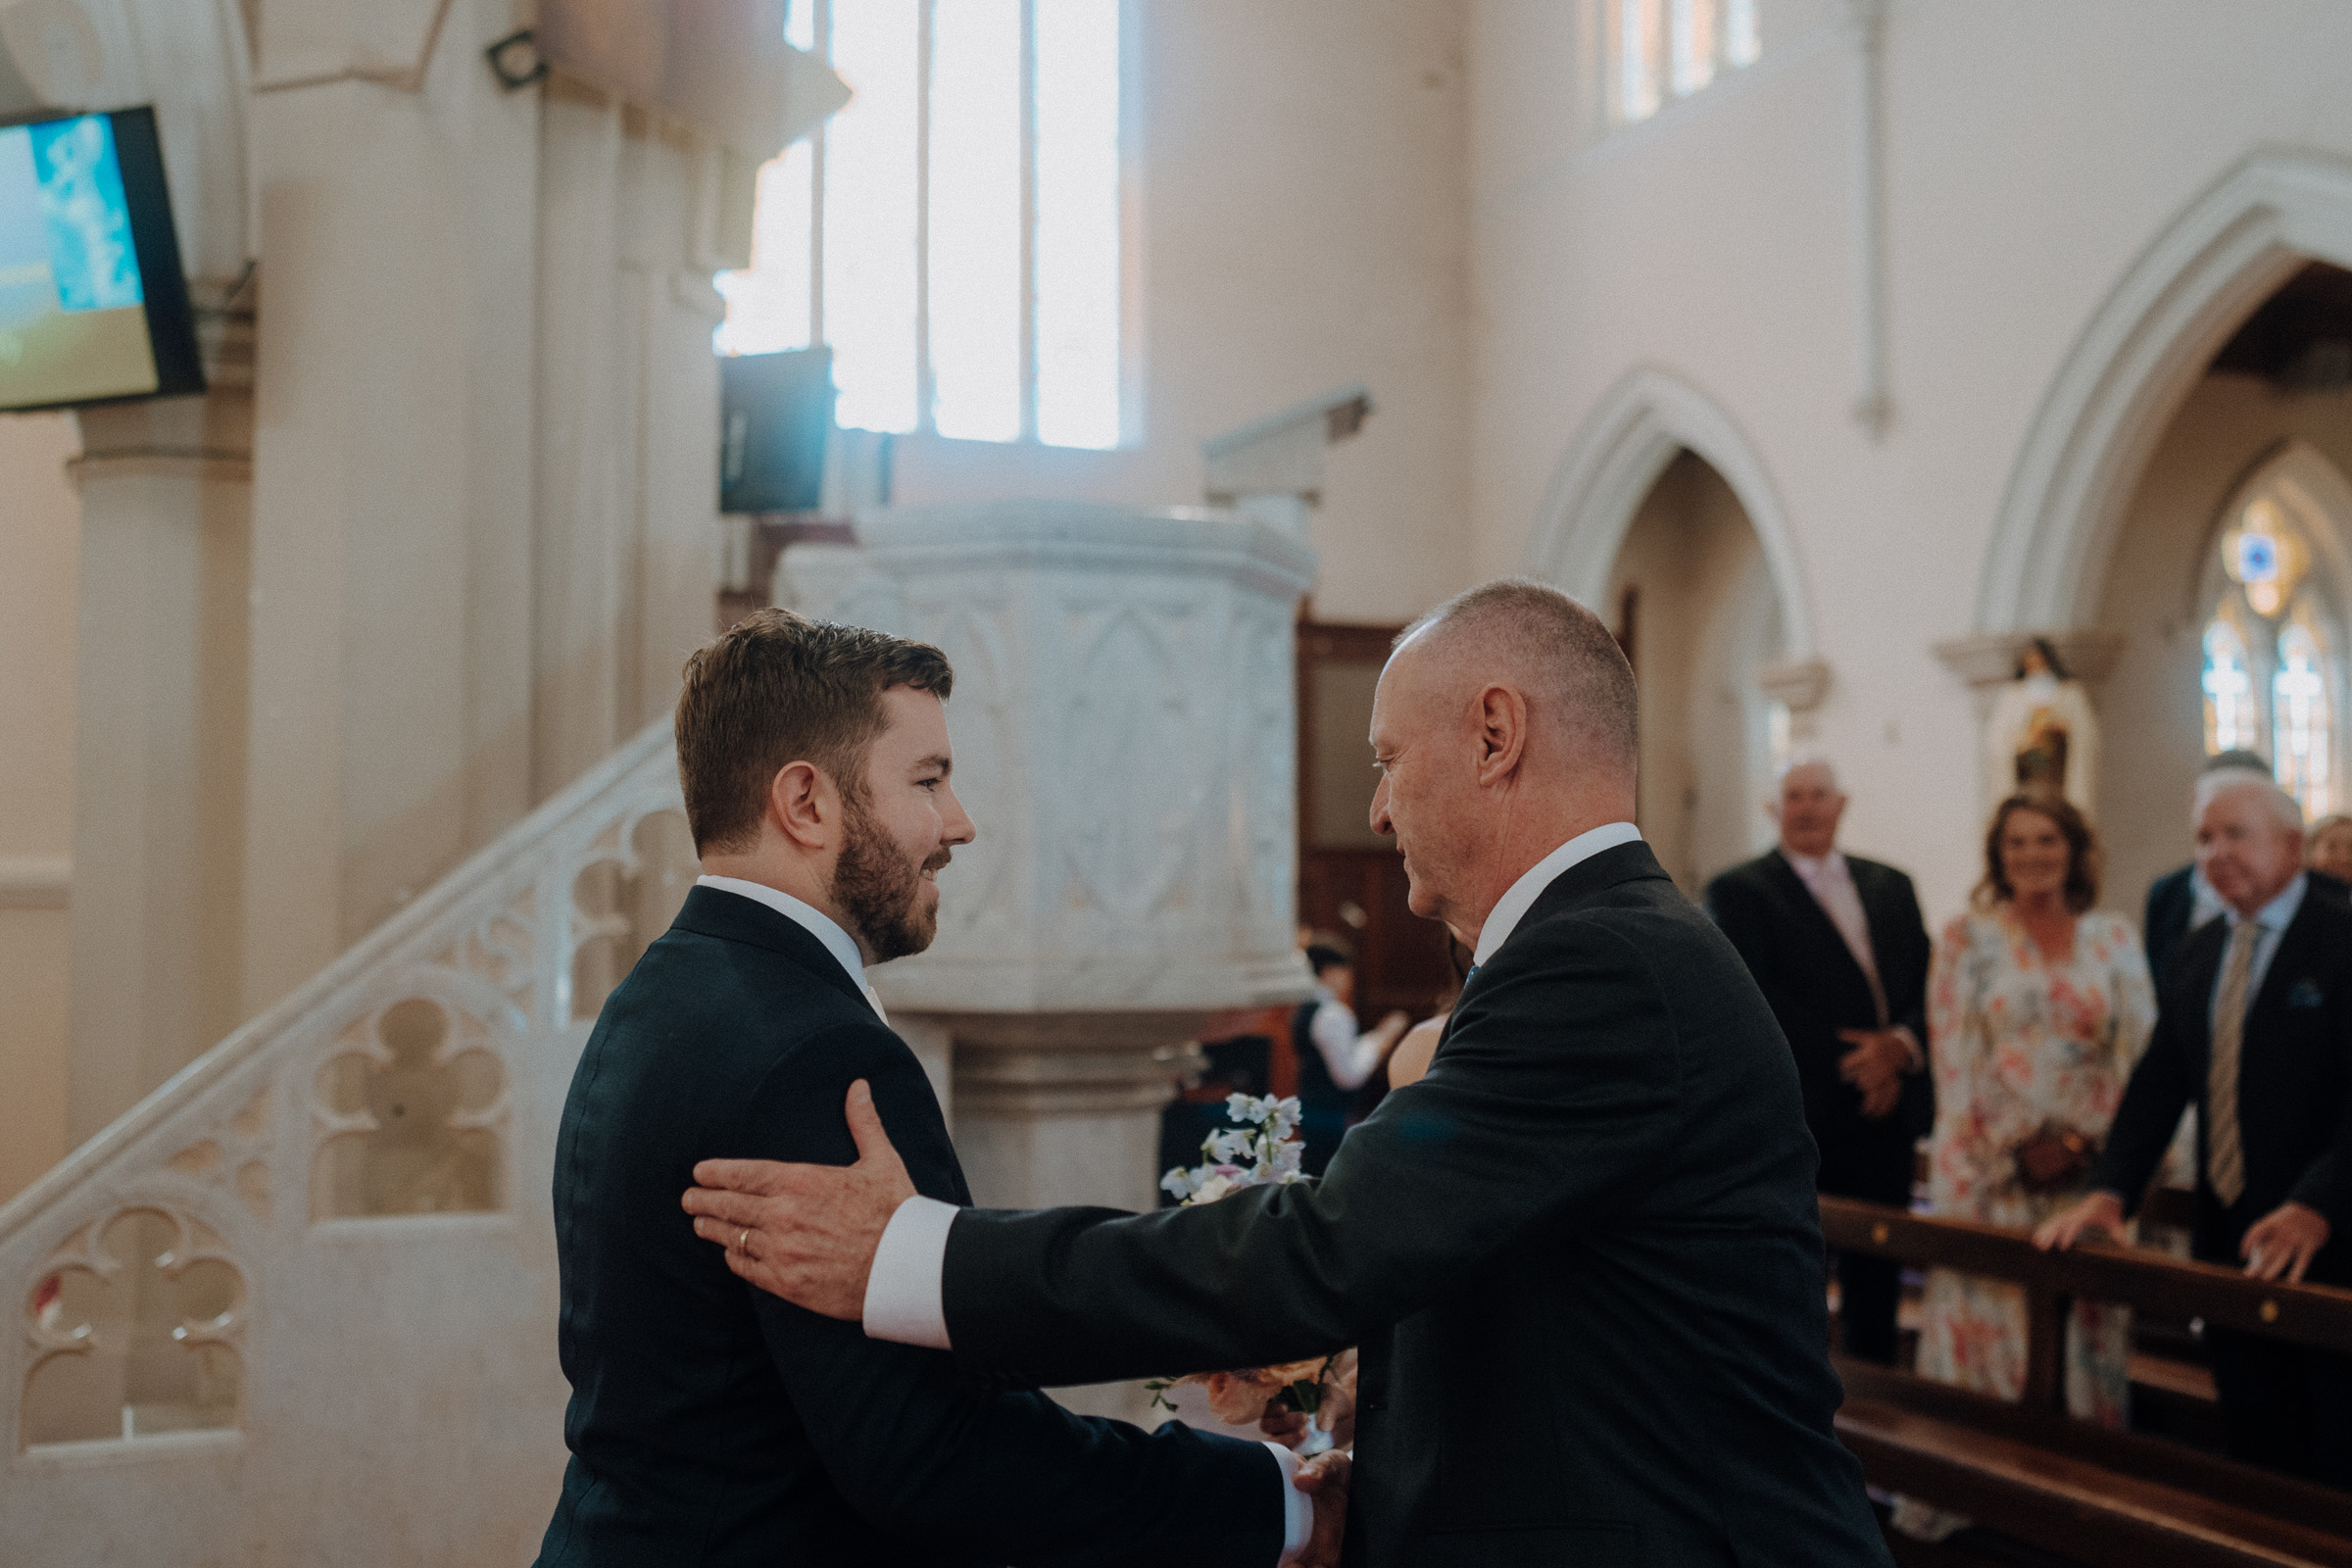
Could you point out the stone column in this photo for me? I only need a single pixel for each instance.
(1125, 731)
(160, 724)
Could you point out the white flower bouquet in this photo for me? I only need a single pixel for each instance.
(1265, 1150)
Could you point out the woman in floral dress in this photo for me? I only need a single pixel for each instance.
(2038, 1006)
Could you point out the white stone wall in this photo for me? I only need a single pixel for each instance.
(2032, 156)
(39, 559)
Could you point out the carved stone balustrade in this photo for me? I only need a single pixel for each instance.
(1125, 727)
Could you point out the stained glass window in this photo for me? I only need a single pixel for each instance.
(2269, 677)
(2302, 720)
(2228, 689)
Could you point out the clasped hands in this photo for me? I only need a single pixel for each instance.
(2280, 1244)
(809, 1234)
(1876, 1066)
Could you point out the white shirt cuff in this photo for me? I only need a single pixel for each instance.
(1919, 1054)
(903, 1290)
(1298, 1509)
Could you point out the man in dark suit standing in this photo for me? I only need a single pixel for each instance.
(1837, 946)
(711, 1423)
(2254, 1028)
(1582, 1256)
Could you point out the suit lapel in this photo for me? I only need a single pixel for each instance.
(1826, 935)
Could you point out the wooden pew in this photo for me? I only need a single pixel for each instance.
(2092, 1497)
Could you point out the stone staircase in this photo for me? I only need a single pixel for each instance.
(299, 1305)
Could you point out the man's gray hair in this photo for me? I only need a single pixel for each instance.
(1575, 671)
(1804, 759)
(2228, 781)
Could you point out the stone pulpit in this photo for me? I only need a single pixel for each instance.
(1125, 730)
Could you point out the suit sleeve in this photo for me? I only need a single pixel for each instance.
(932, 1459)
(1554, 1095)
(2326, 1185)
(1732, 904)
(2160, 1089)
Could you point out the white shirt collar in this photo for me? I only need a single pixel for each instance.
(1810, 866)
(2280, 912)
(815, 921)
(1512, 906)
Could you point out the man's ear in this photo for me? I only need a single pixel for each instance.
(804, 805)
(1501, 719)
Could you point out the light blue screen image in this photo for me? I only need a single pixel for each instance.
(92, 256)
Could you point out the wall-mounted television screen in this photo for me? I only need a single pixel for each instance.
(93, 306)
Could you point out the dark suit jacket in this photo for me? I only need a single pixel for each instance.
(2172, 898)
(1815, 989)
(710, 1423)
(2294, 1096)
(1582, 1258)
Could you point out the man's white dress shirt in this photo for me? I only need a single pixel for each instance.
(1512, 906)
(903, 1290)
(814, 920)
(931, 1219)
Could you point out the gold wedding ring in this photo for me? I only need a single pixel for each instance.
(743, 1241)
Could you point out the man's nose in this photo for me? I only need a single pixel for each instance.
(1380, 808)
(957, 826)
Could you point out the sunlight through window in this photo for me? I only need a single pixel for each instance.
(2302, 720)
(956, 232)
(1664, 50)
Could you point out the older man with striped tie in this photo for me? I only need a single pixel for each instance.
(2254, 1028)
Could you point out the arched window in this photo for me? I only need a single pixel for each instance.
(2269, 677)
(2302, 720)
(2228, 688)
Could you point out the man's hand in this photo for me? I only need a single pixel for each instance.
(1323, 1478)
(806, 1233)
(1335, 1410)
(2100, 1211)
(1876, 1066)
(2285, 1241)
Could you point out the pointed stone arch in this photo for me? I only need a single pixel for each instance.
(2134, 363)
(1624, 445)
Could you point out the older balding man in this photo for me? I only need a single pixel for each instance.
(2254, 1028)
(1838, 946)
(1582, 1256)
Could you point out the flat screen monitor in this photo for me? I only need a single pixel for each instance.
(775, 411)
(94, 306)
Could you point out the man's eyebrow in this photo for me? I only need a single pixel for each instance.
(940, 761)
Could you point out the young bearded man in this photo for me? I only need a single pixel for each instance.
(711, 1423)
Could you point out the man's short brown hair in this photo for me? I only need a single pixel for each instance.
(779, 689)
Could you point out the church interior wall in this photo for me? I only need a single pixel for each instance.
(2150, 706)
(1300, 206)
(1715, 241)
(39, 591)
(1704, 620)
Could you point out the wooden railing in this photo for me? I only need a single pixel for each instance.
(2097, 1271)
(2113, 1499)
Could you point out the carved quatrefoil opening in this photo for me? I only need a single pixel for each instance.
(133, 1328)
(413, 1114)
(621, 902)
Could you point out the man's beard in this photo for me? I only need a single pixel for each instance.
(880, 891)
